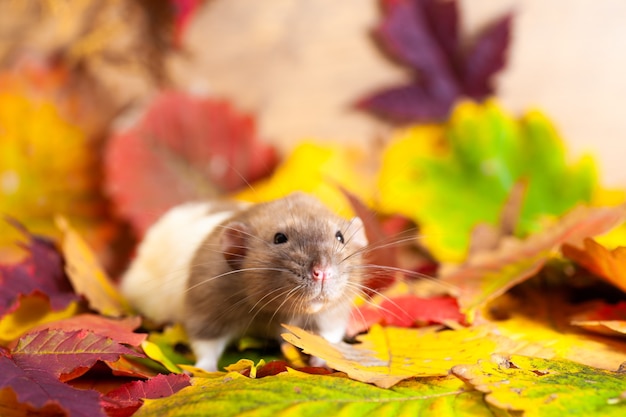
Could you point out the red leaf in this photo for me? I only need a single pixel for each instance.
(125, 400)
(121, 331)
(184, 148)
(381, 251)
(41, 272)
(38, 388)
(407, 311)
(66, 355)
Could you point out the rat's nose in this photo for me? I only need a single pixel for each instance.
(321, 273)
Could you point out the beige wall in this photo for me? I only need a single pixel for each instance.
(568, 58)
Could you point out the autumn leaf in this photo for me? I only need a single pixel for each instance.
(119, 330)
(607, 264)
(41, 273)
(539, 387)
(406, 311)
(319, 170)
(474, 161)
(192, 147)
(125, 400)
(603, 318)
(489, 274)
(296, 393)
(388, 355)
(41, 390)
(87, 276)
(46, 168)
(34, 369)
(424, 35)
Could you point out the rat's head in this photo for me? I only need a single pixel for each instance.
(299, 257)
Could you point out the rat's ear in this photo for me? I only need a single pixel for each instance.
(355, 233)
(234, 243)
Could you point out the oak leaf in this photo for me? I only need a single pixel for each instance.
(540, 387)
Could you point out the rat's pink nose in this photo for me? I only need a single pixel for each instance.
(320, 273)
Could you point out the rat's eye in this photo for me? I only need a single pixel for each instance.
(339, 236)
(280, 238)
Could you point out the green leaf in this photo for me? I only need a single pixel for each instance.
(451, 178)
(298, 394)
(540, 387)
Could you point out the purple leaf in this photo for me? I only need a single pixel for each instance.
(407, 103)
(487, 57)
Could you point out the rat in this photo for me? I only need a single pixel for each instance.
(227, 269)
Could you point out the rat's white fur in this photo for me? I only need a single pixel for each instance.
(156, 282)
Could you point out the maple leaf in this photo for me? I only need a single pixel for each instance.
(424, 35)
(489, 274)
(191, 147)
(41, 273)
(540, 387)
(125, 400)
(386, 356)
(475, 161)
(296, 393)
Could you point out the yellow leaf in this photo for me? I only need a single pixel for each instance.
(87, 275)
(33, 310)
(388, 355)
(317, 169)
(243, 364)
(154, 352)
(46, 167)
(539, 387)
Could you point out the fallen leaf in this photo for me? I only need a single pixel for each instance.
(155, 353)
(424, 35)
(192, 147)
(33, 312)
(38, 388)
(602, 318)
(125, 400)
(474, 161)
(296, 393)
(66, 355)
(87, 275)
(406, 311)
(386, 356)
(607, 264)
(46, 168)
(540, 387)
(319, 170)
(41, 272)
(489, 274)
(119, 330)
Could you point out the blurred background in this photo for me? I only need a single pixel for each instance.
(80, 78)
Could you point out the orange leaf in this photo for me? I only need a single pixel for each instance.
(605, 263)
